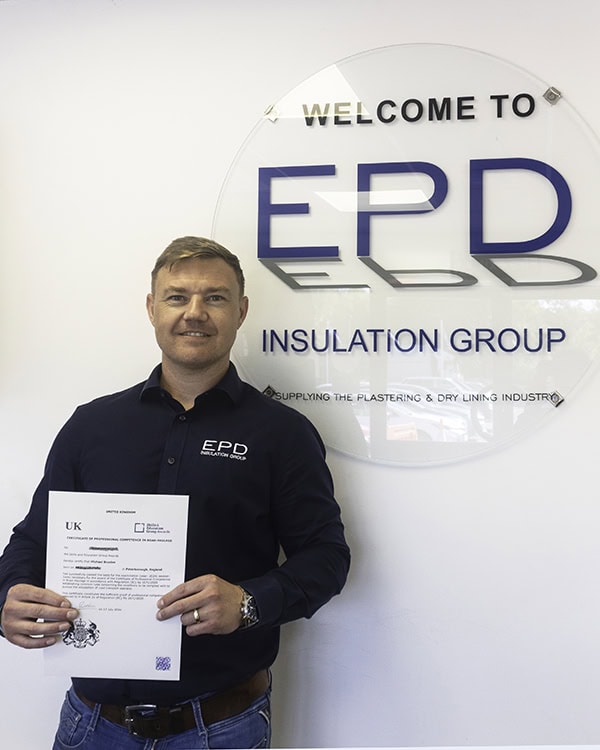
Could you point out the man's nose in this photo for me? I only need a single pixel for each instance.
(195, 309)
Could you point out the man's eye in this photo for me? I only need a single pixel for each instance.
(175, 298)
(216, 298)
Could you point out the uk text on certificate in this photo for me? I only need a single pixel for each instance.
(113, 556)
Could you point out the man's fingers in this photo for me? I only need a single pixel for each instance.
(186, 590)
(14, 612)
(207, 604)
(24, 592)
(34, 617)
(36, 628)
(31, 643)
(185, 596)
(31, 634)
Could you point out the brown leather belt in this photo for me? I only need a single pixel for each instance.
(153, 722)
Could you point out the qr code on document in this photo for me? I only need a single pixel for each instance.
(163, 663)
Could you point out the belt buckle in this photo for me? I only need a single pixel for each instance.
(137, 711)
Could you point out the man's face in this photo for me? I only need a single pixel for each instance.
(196, 310)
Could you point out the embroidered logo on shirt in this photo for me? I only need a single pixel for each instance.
(224, 449)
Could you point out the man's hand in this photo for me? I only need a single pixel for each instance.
(215, 602)
(25, 605)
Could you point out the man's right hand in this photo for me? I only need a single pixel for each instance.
(25, 605)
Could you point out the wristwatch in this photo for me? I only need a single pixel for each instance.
(248, 611)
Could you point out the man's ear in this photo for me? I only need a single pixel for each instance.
(243, 310)
(150, 307)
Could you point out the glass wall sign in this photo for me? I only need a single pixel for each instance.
(418, 225)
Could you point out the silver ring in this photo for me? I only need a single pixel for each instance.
(196, 615)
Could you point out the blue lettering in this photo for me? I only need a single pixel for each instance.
(563, 212)
(366, 210)
(266, 209)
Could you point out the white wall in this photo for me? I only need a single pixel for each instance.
(471, 613)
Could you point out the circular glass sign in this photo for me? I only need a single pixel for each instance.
(418, 228)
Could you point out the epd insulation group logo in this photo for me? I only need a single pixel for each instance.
(418, 225)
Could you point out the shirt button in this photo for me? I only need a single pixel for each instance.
(182, 417)
(170, 460)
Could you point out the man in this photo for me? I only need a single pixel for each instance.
(149, 439)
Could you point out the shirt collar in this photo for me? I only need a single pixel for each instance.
(229, 384)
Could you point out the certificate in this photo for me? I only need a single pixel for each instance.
(113, 556)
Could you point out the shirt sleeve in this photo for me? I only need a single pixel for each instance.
(307, 520)
(24, 558)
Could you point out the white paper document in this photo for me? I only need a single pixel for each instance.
(113, 556)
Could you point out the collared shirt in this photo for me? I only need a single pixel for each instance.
(256, 476)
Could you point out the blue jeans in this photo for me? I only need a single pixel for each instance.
(83, 727)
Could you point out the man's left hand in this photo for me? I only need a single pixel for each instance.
(207, 605)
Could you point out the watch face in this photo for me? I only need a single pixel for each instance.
(249, 615)
(248, 610)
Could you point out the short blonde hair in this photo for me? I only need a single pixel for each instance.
(189, 248)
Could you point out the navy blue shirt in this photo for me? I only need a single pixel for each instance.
(256, 476)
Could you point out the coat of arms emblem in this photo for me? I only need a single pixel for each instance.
(82, 633)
